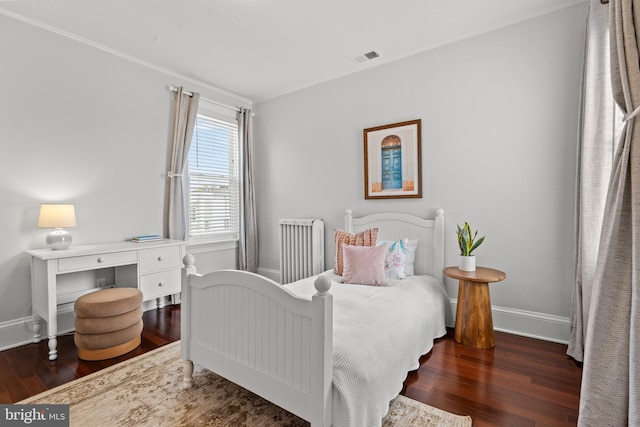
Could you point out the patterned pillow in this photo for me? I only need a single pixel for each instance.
(408, 248)
(364, 238)
(395, 260)
(364, 265)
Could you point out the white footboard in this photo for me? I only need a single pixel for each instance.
(257, 334)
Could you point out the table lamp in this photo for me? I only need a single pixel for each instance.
(57, 216)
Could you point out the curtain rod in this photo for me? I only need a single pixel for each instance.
(175, 89)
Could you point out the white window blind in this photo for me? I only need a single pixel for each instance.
(214, 197)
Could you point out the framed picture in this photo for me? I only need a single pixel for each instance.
(393, 161)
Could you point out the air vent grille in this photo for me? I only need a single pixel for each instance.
(365, 57)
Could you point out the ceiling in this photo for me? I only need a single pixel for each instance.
(260, 49)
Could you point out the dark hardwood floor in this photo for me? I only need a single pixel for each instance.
(27, 370)
(520, 382)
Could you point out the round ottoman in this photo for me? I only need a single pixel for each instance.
(108, 323)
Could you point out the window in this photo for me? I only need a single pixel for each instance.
(214, 196)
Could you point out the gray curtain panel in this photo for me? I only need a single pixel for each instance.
(610, 393)
(248, 245)
(185, 108)
(596, 148)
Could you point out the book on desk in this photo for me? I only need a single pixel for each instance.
(146, 238)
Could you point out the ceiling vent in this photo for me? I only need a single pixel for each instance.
(365, 57)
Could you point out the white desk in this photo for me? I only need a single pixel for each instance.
(152, 267)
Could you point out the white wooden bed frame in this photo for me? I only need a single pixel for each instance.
(259, 335)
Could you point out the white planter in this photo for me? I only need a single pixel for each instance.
(467, 263)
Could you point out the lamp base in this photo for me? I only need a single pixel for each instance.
(59, 239)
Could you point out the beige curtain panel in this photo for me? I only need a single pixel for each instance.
(248, 242)
(596, 149)
(185, 109)
(610, 393)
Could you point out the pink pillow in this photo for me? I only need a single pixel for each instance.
(364, 265)
(364, 238)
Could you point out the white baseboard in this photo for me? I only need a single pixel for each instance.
(530, 324)
(17, 332)
(525, 323)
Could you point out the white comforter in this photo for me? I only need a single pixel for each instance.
(379, 333)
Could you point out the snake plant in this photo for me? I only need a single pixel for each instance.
(467, 239)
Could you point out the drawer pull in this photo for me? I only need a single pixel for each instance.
(100, 259)
(160, 284)
(160, 258)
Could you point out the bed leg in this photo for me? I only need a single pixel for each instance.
(187, 371)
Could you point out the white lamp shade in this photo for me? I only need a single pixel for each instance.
(57, 216)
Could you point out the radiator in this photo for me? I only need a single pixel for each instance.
(301, 248)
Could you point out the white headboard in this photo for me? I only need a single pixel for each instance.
(395, 226)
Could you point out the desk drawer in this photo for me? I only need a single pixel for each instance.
(155, 259)
(156, 285)
(90, 262)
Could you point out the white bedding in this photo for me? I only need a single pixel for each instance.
(379, 333)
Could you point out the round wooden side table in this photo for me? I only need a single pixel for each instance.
(474, 323)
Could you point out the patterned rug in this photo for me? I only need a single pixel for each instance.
(146, 391)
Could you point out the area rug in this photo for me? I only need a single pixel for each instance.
(147, 391)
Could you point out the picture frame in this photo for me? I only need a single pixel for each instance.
(393, 161)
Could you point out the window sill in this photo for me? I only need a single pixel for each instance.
(199, 246)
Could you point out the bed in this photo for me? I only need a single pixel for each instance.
(332, 353)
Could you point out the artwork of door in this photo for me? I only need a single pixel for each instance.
(391, 163)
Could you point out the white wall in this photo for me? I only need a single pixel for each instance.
(83, 126)
(499, 113)
(499, 116)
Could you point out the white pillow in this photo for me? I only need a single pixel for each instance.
(410, 256)
(408, 248)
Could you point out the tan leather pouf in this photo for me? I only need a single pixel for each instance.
(108, 323)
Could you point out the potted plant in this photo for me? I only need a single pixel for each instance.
(468, 242)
